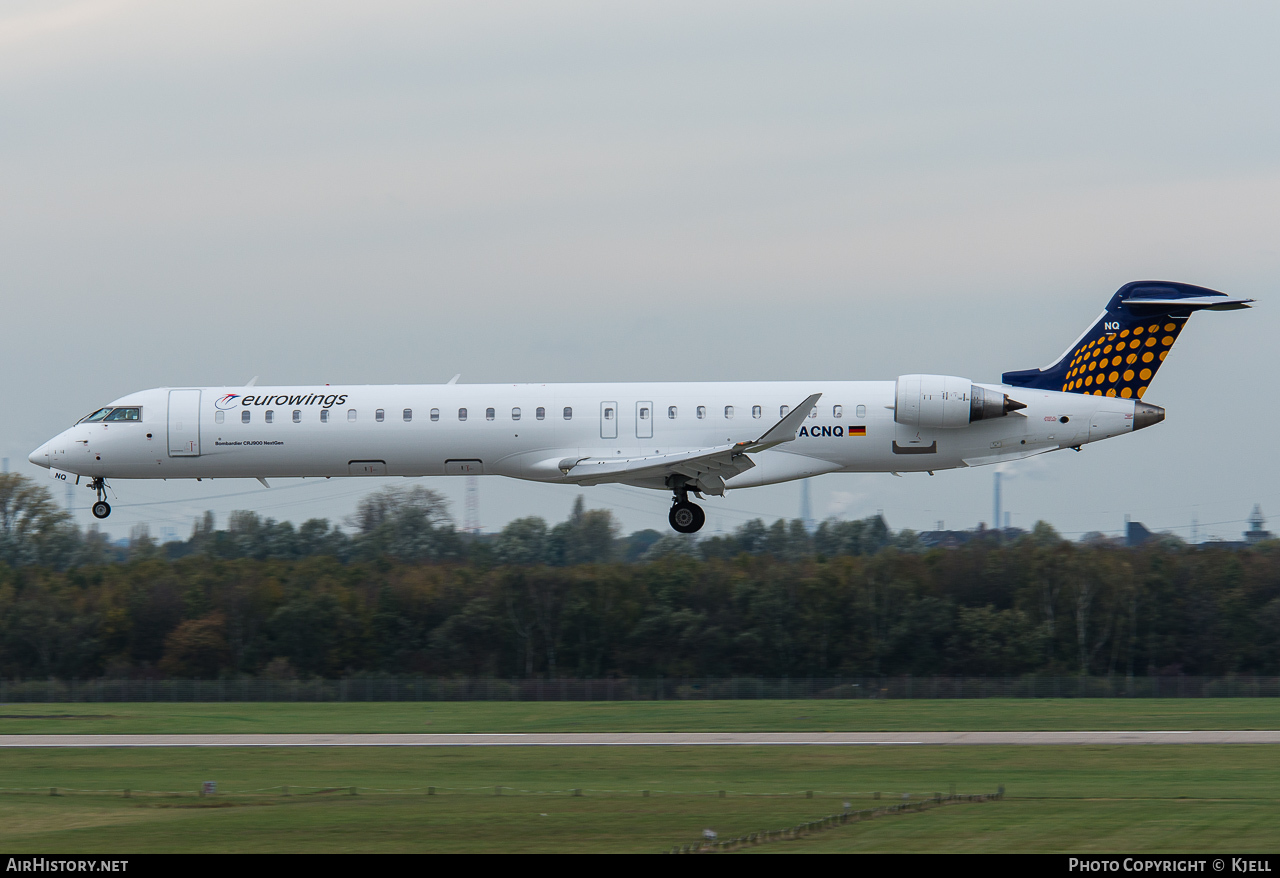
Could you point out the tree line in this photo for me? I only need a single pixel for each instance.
(399, 590)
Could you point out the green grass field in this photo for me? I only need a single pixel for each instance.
(1157, 798)
(1161, 798)
(641, 716)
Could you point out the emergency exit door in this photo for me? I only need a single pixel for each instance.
(644, 420)
(184, 423)
(608, 420)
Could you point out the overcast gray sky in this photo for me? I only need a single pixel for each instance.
(199, 193)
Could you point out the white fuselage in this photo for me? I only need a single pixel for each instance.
(266, 432)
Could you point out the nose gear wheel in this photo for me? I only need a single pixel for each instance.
(102, 508)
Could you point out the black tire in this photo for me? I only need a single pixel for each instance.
(101, 509)
(687, 518)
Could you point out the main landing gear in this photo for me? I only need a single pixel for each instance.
(102, 508)
(685, 517)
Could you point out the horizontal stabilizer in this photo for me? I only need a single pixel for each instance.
(1192, 303)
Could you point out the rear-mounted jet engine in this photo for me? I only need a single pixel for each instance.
(947, 401)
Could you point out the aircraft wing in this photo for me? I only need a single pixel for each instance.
(709, 468)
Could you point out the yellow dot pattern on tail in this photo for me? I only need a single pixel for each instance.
(1095, 364)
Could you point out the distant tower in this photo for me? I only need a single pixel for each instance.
(806, 510)
(6, 464)
(471, 523)
(1195, 530)
(995, 518)
(1256, 532)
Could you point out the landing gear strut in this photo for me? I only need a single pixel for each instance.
(685, 517)
(102, 508)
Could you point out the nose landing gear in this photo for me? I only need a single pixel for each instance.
(102, 508)
(685, 517)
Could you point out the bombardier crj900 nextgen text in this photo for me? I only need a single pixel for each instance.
(686, 438)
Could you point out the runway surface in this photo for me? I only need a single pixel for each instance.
(654, 739)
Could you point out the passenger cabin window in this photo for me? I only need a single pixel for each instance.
(380, 415)
(351, 414)
(644, 413)
(244, 416)
(515, 413)
(540, 413)
(324, 416)
(608, 413)
(98, 415)
(297, 416)
(489, 414)
(728, 411)
(702, 411)
(462, 414)
(435, 414)
(756, 411)
(782, 410)
(837, 411)
(671, 412)
(270, 416)
(862, 411)
(568, 413)
(125, 414)
(408, 415)
(813, 412)
(219, 417)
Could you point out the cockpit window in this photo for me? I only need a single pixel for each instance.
(130, 413)
(115, 413)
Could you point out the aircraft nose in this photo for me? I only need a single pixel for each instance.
(40, 457)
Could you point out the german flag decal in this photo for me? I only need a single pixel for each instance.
(857, 431)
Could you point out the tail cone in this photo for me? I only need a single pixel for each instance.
(1144, 415)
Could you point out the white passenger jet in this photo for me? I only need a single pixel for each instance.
(686, 438)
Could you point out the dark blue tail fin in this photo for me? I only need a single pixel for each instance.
(1120, 353)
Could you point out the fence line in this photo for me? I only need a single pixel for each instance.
(630, 689)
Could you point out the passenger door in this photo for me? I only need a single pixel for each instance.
(184, 423)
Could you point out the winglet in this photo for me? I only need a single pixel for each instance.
(785, 430)
(264, 482)
(454, 379)
(252, 381)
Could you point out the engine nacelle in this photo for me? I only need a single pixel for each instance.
(945, 401)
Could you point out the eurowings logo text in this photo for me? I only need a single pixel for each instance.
(227, 402)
